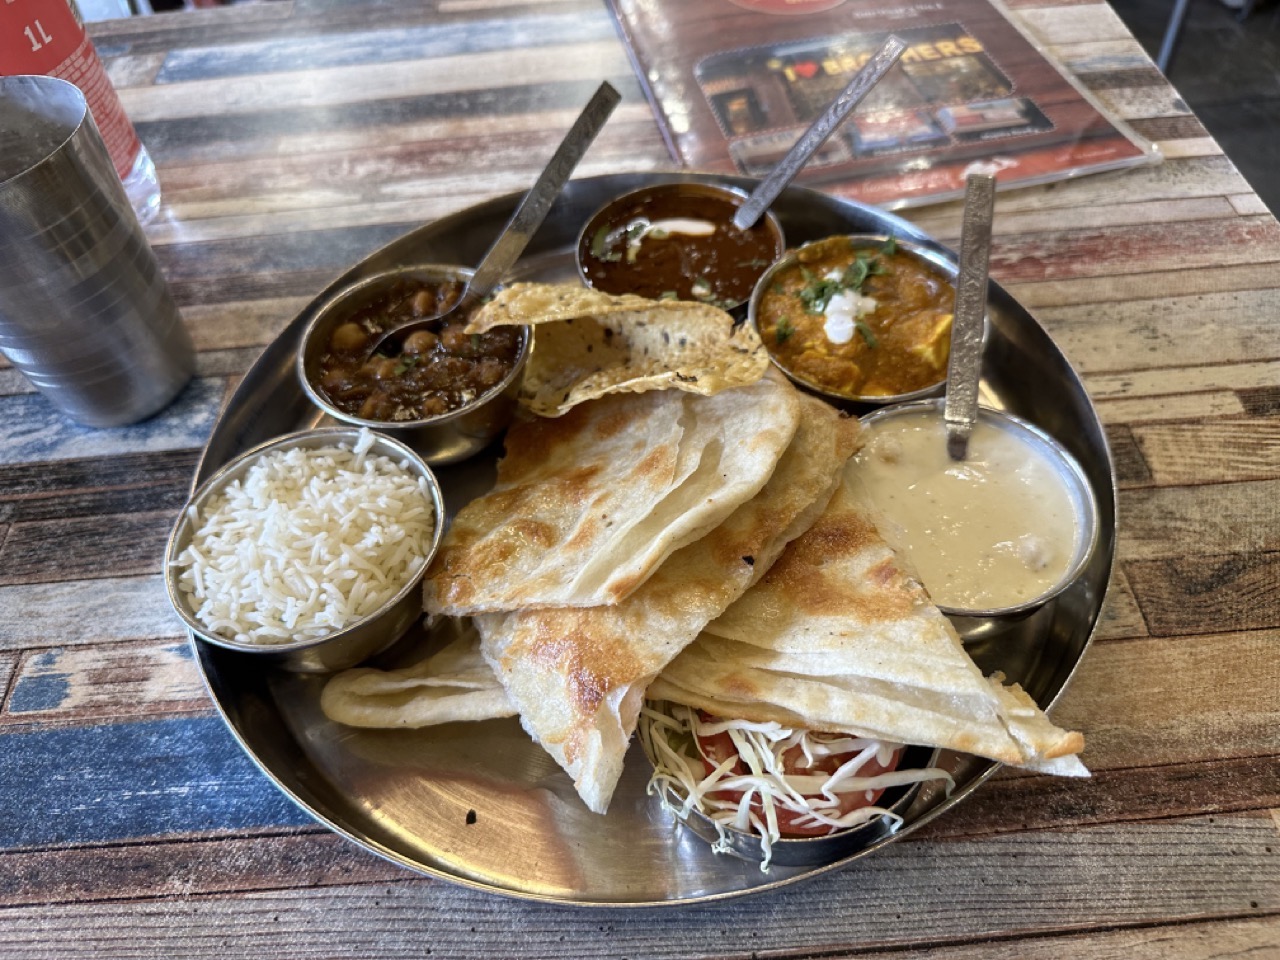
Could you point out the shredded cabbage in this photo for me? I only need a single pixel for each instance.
(670, 735)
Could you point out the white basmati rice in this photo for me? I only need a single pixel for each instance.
(306, 543)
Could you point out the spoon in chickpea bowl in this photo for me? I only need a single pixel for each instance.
(515, 236)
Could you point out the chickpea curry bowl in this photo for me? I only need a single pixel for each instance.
(859, 319)
(445, 391)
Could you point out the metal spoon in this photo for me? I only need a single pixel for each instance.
(533, 209)
(964, 368)
(820, 130)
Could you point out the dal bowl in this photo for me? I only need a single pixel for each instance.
(678, 241)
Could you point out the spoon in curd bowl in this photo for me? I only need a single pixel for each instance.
(964, 368)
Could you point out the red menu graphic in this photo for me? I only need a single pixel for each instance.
(735, 83)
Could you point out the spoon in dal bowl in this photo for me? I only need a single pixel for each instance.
(533, 209)
(819, 132)
(964, 367)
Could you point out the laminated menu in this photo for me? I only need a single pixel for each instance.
(734, 83)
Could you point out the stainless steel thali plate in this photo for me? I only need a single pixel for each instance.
(480, 804)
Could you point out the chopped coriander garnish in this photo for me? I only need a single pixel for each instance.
(890, 246)
(866, 333)
(600, 246)
(855, 274)
(783, 330)
(818, 291)
(669, 295)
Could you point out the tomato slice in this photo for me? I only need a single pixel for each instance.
(719, 747)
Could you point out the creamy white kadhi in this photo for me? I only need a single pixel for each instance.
(996, 530)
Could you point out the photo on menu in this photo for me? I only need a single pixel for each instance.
(735, 83)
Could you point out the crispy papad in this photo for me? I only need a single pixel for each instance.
(588, 344)
(586, 506)
(578, 676)
(838, 637)
(454, 684)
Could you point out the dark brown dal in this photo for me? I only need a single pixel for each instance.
(720, 268)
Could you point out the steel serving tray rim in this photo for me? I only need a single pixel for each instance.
(403, 794)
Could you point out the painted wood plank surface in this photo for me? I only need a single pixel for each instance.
(186, 868)
(378, 46)
(915, 895)
(293, 137)
(124, 781)
(1143, 767)
(1244, 449)
(65, 685)
(1230, 940)
(72, 612)
(65, 489)
(31, 429)
(1151, 701)
(85, 548)
(1216, 520)
(1253, 383)
(337, 86)
(1168, 331)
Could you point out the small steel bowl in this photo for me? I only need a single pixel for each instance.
(976, 623)
(446, 438)
(945, 265)
(818, 851)
(357, 641)
(629, 205)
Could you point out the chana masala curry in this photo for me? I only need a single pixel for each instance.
(857, 319)
(437, 370)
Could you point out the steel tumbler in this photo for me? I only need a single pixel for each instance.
(85, 313)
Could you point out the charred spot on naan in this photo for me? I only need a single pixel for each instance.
(736, 685)
(588, 344)
(561, 643)
(526, 444)
(612, 426)
(834, 537)
(811, 575)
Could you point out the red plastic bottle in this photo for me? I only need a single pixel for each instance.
(46, 37)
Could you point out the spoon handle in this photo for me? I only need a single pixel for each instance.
(885, 57)
(537, 202)
(964, 368)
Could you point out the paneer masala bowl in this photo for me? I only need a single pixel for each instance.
(859, 319)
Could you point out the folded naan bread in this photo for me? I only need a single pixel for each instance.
(586, 506)
(578, 675)
(838, 637)
(454, 684)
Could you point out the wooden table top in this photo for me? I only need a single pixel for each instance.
(292, 138)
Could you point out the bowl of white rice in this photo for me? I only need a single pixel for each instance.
(309, 549)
